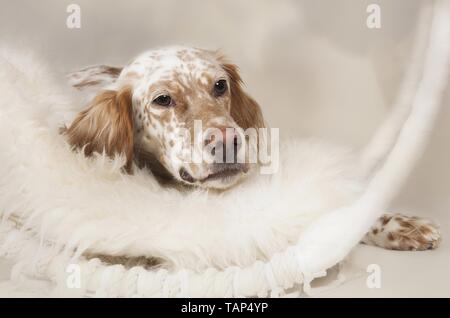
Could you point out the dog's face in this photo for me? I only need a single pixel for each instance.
(184, 106)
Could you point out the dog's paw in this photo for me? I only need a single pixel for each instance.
(404, 233)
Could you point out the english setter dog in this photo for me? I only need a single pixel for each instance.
(140, 110)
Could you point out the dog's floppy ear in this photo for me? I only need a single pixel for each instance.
(94, 77)
(105, 125)
(244, 109)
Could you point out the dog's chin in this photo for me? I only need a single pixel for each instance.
(221, 182)
(221, 178)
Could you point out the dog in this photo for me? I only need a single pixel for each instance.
(147, 111)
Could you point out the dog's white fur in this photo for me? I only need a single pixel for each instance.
(91, 205)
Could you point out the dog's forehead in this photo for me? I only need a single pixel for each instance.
(164, 64)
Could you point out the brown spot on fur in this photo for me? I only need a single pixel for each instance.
(390, 237)
(111, 70)
(385, 219)
(405, 224)
(165, 117)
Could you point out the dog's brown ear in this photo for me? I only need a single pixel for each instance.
(244, 109)
(105, 125)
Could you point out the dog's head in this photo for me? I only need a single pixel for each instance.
(183, 106)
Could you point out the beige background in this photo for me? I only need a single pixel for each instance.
(314, 66)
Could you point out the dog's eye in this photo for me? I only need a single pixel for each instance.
(220, 87)
(163, 100)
